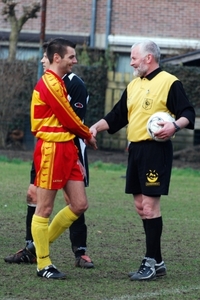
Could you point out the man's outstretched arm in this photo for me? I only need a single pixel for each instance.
(101, 125)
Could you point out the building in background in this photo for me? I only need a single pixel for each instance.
(116, 24)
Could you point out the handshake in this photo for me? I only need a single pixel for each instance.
(94, 129)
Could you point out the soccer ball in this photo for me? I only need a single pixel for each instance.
(153, 127)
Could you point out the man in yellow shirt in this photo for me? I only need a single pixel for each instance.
(152, 90)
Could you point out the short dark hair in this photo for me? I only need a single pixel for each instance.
(59, 46)
(44, 46)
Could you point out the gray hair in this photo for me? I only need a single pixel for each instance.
(149, 47)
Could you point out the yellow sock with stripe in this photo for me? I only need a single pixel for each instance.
(40, 234)
(63, 220)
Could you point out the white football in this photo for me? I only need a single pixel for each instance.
(152, 125)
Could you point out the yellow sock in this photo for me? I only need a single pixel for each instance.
(63, 220)
(39, 229)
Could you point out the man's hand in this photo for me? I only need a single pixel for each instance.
(166, 132)
(92, 142)
(93, 131)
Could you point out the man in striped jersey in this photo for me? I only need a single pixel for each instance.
(78, 97)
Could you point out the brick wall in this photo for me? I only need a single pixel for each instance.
(61, 15)
(160, 18)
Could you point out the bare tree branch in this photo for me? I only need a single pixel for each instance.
(29, 12)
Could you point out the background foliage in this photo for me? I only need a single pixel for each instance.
(17, 80)
(190, 78)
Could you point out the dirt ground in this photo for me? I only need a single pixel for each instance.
(187, 158)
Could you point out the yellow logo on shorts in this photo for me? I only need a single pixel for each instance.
(152, 177)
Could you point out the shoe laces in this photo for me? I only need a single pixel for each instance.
(142, 269)
(144, 266)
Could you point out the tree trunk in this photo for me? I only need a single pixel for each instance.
(29, 12)
(13, 39)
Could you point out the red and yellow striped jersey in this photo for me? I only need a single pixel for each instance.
(52, 118)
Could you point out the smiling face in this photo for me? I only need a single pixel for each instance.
(69, 59)
(139, 62)
(62, 65)
(66, 63)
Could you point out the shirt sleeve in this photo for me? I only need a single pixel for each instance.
(78, 96)
(117, 118)
(57, 100)
(179, 105)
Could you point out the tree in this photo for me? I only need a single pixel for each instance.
(29, 12)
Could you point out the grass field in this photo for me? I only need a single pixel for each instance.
(115, 240)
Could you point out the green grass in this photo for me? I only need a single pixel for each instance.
(13, 160)
(115, 240)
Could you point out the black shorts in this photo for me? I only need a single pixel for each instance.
(32, 174)
(82, 153)
(149, 168)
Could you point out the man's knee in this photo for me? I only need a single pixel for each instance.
(79, 208)
(82, 207)
(31, 197)
(151, 207)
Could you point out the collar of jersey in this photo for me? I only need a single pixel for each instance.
(152, 74)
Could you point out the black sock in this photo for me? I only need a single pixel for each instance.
(78, 236)
(144, 224)
(158, 256)
(29, 216)
(153, 236)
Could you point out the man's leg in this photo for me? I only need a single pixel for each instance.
(44, 234)
(39, 228)
(40, 223)
(78, 238)
(31, 200)
(31, 206)
(23, 255)
(149, 210)
(78, 229)
(78, 204)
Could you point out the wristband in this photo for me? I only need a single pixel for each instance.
(177, 128)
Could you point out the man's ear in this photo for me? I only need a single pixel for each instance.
(56, 57)
(149, 58)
